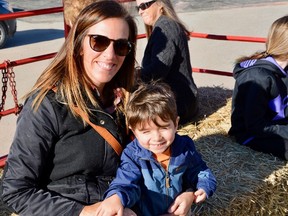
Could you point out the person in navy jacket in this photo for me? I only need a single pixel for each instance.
(259, 117)
(161, 172)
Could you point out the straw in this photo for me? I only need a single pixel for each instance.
(249, 182)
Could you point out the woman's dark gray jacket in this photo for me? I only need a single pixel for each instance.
(167, 57)
(57, 165)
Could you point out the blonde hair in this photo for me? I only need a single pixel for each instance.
(169, 11)
(276, 42)
(66, 71)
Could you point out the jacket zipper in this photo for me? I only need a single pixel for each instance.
(167, 183)
(167, 180)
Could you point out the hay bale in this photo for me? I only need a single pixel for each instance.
(249, 182)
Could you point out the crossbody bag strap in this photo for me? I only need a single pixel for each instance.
(103, 132)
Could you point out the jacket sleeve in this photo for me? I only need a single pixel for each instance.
(207, 181)
(161, 52)
(25, 167)
(198, 173)
(126, 184)
(256, 94)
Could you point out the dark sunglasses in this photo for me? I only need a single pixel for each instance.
(99, 43)
(145, 5)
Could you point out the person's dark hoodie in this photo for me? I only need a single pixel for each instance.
(259, 101)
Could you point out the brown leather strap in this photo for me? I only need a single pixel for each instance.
(103, 132)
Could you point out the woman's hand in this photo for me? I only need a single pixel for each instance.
(110, 206)
(90, 210)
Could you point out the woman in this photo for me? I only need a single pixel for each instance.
(259, 115)
(167, 55)
(58, 164)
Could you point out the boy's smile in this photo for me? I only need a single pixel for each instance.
(156, 138)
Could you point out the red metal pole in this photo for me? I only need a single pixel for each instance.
(29, 60)
(31, 13)
(3, 161)
(228, 37)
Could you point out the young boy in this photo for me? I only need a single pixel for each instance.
(161, 172)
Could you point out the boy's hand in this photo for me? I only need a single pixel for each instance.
(110, 207)
(200, 196)
(182, 204)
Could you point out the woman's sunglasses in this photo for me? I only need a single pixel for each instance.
(145, 5)
(99, 43)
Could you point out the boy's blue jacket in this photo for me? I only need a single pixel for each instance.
(141, 180)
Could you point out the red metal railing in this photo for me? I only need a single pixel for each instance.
(22, 14)
(3, 160)
(228, 37)
(140, 36)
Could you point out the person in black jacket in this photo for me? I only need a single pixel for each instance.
(167, 56)
(259, 117)
(58, 164)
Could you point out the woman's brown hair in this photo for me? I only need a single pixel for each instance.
(67, 72)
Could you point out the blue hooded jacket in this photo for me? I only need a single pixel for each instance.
(259, 101)
(141, 180)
